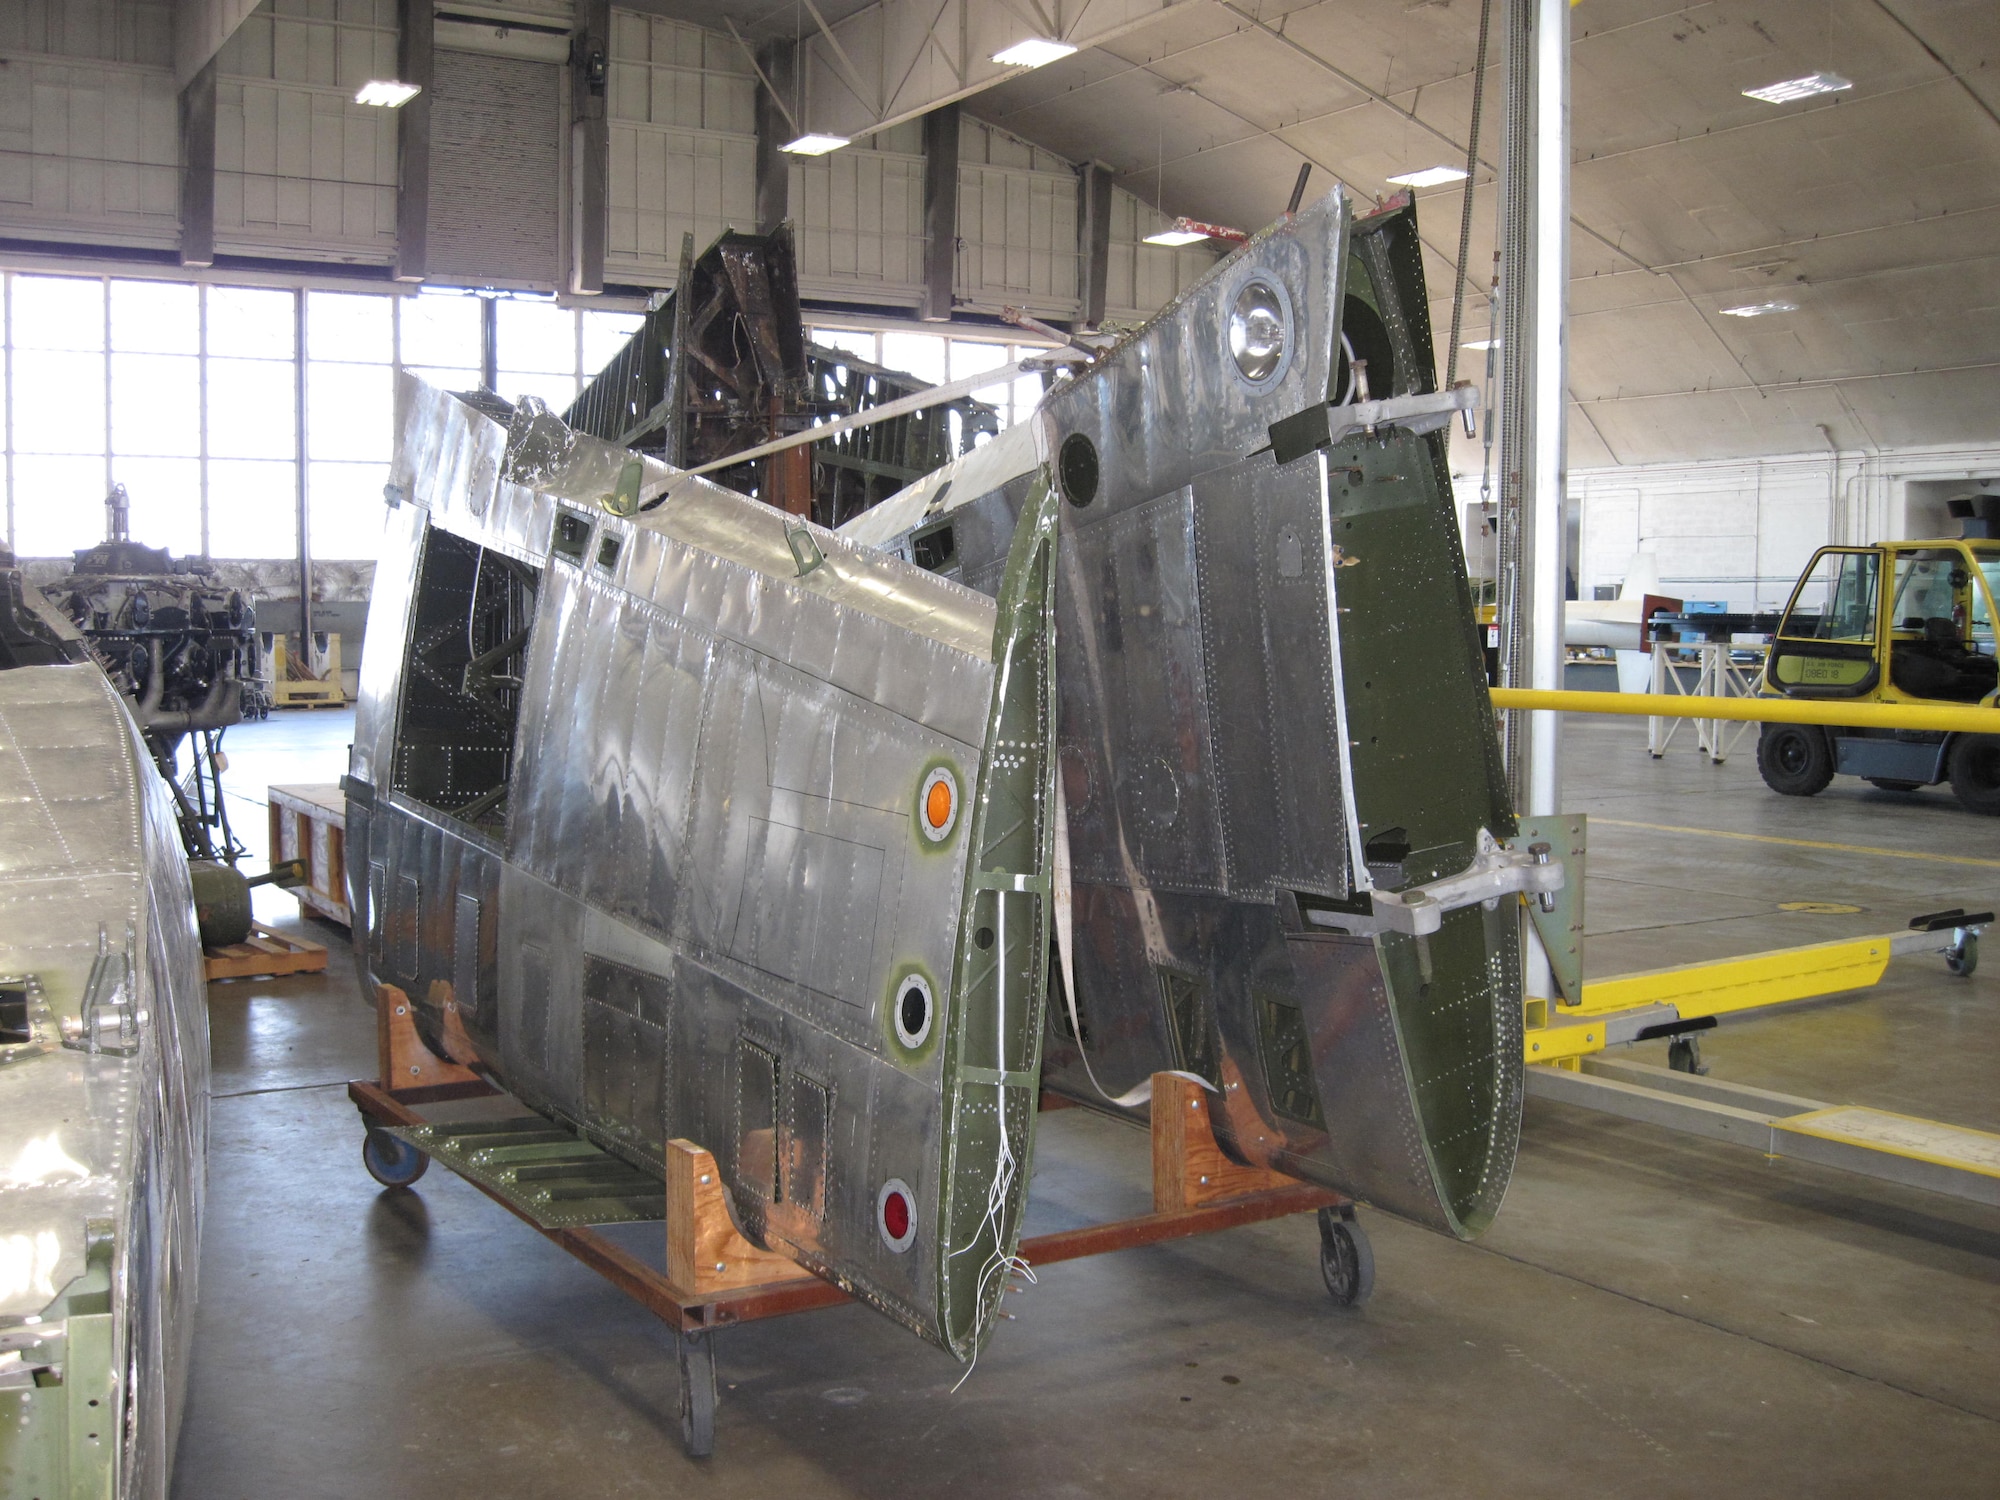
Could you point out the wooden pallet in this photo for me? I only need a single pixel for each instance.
(265, 954)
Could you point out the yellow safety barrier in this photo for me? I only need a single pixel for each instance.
(1968, 719)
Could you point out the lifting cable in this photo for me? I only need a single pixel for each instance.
(1465, 213)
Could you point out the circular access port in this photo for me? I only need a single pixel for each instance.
(896, 1215)
(1258, 331)
(937, 805)
(914, 1009)
(1076, 469)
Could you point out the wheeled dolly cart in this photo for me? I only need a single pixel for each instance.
(711, 1277)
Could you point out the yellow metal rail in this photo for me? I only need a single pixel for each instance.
(1966, 719)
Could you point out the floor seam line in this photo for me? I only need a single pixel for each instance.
(288, 1088)
(1812, 1359)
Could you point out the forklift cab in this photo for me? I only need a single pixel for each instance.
(1899, 622)
(1924, 608)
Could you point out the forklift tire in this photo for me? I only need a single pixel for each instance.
(1795, 760)
(1975, 773)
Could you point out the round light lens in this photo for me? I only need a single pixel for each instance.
(913, 1012)
(895, 1215)
(1257, 331)
(937, 805)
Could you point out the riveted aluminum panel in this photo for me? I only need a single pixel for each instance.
(714, 801)
(108, 1143)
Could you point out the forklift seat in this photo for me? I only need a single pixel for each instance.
(1942, 666)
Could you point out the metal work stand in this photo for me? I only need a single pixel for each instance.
(713, 1277)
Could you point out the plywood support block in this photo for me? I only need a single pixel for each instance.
(1189, 1168)
(705, 1253)
(404, 1060)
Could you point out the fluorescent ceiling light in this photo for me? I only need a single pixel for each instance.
(1033, 53)
(1429, 177)
(1799, 88)
(1481, 344)
(812, 143)
(1758, 309)
(386, 93)
(1176, 237)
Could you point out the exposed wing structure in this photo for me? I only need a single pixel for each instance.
(680, 817)
(103, 1093)
(1282, 792)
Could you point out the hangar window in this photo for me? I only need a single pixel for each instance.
(468, 643)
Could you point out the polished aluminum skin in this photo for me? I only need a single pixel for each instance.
(1285, 822)
(681, 818)
(103, 1095)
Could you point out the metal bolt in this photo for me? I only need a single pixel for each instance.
(414, 1069)
(402, 1010)
(722, 1265)
(1204, 1182)
(704, 1179)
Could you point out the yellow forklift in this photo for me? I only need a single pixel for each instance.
(1898, 622)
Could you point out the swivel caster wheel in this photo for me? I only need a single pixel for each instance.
(697, 1395)
(1684, 1055)
(1963, 958)
(390, 1160)
(1346, 1261)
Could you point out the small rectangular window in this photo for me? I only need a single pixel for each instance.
(607, 553)
(572, 538)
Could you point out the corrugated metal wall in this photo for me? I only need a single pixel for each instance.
(496, 171)
(89, 151)
(300, 166)
(682, 104)
(89, 124)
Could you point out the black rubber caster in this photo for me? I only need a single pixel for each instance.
(390, 1160)
(697, 1395)
(1346, 1261)
(1964, 957)
(1684, 1055)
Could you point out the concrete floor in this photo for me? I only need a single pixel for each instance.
(1651, 1316)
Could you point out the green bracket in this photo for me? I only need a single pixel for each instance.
(1560, 928)
(550, 1176)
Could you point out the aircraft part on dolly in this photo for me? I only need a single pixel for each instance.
(103, 1084)
(676, 839)
(1274, 724)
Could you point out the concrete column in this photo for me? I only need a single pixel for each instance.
(198, 168)
(1093, 239)
(940, 212)
(590, 144)
(415, 23)
(779, 61)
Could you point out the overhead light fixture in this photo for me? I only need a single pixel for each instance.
(1799, 88)
(387, 93)
(1758, 309)
(1481, 344)
(1186, 231)
(812, 143)
(1429, 177)
(1035, 52)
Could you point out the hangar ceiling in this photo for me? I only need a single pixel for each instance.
(1875, 210)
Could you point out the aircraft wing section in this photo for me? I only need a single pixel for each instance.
(682, 818)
